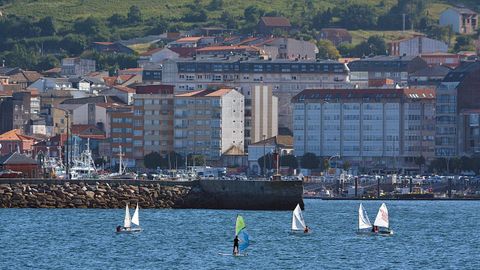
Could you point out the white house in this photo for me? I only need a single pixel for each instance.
(416, 46)
(156, 56)
(122, 92)
(462, 20)
(281, 143)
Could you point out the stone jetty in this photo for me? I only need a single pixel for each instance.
(94, 195)
(210, 194)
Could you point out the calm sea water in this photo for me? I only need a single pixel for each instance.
(428, 235)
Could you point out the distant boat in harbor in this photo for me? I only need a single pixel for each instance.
(364, 224)
(127, 222)
(298, 222)
(381, 225)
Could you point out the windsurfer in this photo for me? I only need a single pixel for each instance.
(235, 245)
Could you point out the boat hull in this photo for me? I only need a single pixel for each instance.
(370, 233)
(131, 230)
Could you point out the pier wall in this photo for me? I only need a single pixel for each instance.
(211, 194)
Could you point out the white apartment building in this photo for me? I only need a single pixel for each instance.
(208, 122)
(372, 128)
(261, 115)
(286, 77)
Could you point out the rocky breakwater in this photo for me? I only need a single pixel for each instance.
(96, 195)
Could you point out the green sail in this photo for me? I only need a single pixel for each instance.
(240, 225)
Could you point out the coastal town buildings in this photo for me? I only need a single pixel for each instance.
(396, 68)
(373, 128)
(77, 66)
(15, 111)
(208, 122)
(457, 107)
(282, 144)
(286, 77)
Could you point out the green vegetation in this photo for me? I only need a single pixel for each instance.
(36, 34)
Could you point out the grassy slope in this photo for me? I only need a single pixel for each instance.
(67, 10)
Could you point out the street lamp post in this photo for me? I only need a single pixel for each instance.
(264, 158)
(67, 159)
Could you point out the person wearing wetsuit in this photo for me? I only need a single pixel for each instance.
(235, 245)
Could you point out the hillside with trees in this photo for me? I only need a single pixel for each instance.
(36, 34)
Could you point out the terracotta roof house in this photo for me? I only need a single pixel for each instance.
(29, 167)
(267, 25)
(14, 140)
(336, 35)
(24, 77)
(88, 132)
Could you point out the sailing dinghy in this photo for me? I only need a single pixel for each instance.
(298, 223)
(127, 222)
(364, 225)
(381, 224)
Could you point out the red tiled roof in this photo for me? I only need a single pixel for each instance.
(150, 52)
(15, 135)
(54, 70)
(109, 80)
(184, 52)
(228, 48)
(276, 21)
(328, 94)
(206, 93)
(124, 89)
(188, 39)
(131, 70)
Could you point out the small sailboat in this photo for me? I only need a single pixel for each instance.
(364, 224)
(298, 223)
(381, 224)
(127, 222)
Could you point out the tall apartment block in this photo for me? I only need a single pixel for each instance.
(153, 120)
(374, 128)
(208, 122)
(261, 114)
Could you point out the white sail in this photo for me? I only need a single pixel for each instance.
(135, 219)
(126, 222)
(298, 223)
(363, 221)
(382, 217)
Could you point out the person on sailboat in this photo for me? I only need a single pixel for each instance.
(235, 245)
(119, 228)
(374, 229)
(306, 230)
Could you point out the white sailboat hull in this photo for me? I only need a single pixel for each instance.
(370, 233)
(130, 230)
